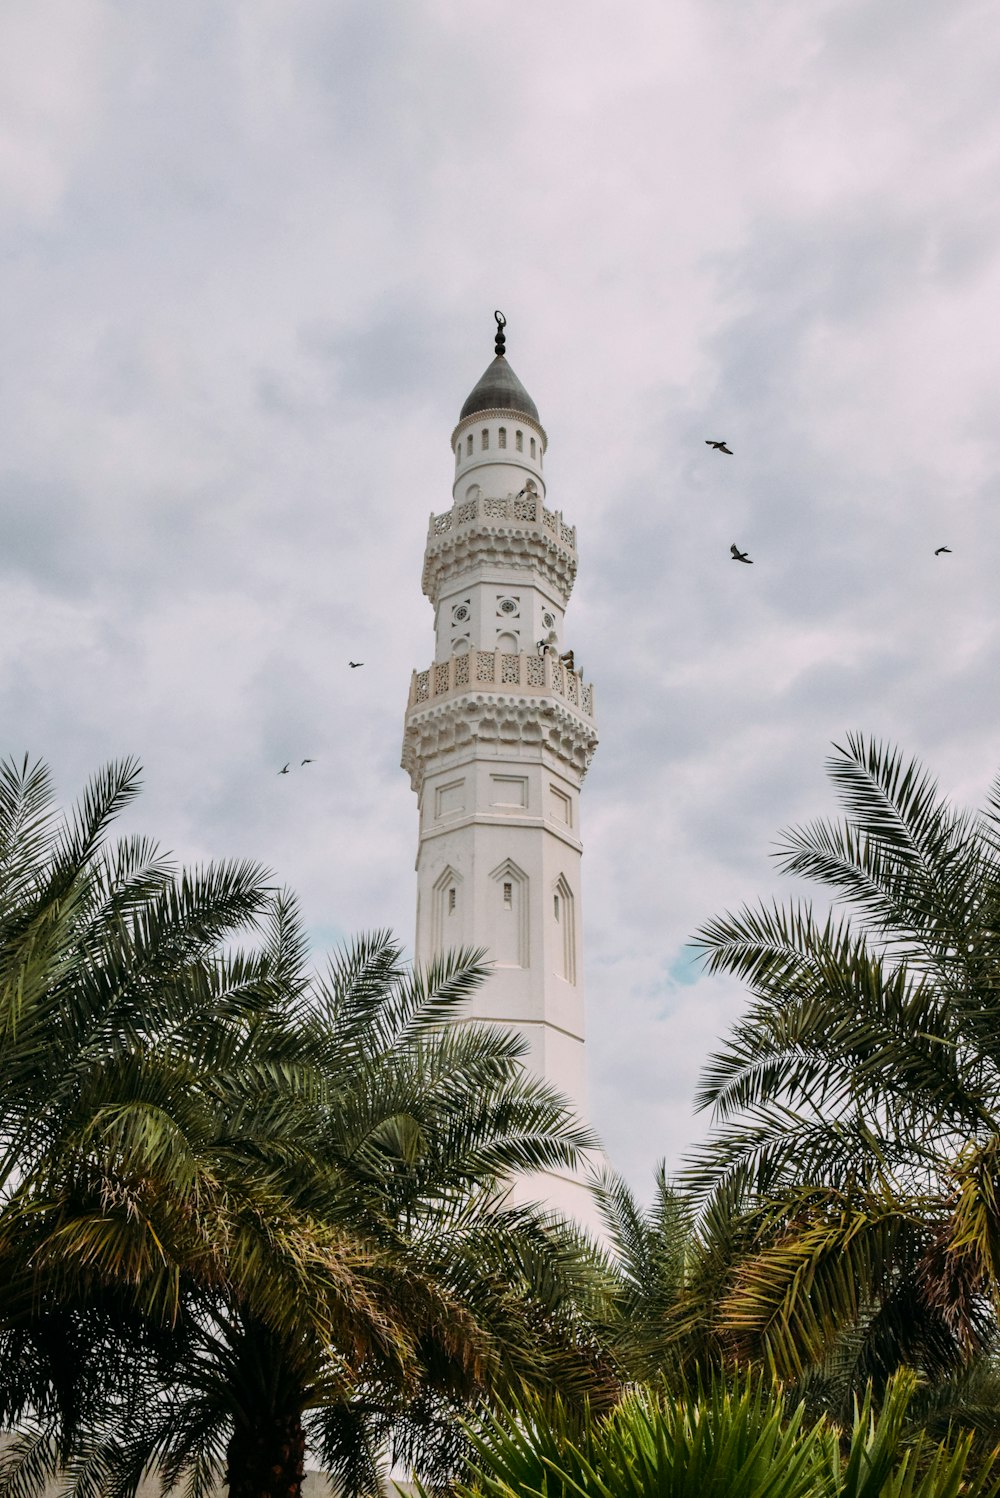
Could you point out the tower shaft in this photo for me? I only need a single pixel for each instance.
(499, 733)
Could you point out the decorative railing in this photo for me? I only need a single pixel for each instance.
(524, 509)
(499, 670)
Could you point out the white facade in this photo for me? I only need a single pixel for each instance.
(499, 733)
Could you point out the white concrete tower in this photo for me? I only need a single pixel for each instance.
(499, 733)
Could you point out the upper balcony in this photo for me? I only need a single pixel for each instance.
(512, 531)
(520, 510)
(524, 675)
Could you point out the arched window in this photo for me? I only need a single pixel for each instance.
(486, 438)
(564, 915)
(532, 447)
(468, 446)
(509, 915)
(519, 441)
(502, 437)
(446, 910)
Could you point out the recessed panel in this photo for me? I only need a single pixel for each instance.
(508, 790)
(449, 800)
(560, 806)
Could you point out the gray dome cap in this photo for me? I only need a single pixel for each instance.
(499, 389)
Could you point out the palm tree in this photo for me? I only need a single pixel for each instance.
(114, 1005)
(406, 1148)
(858, 1102)
(145, 1078)
(654, 1250)
(254, 1204)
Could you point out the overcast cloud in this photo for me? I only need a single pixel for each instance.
(250, 256)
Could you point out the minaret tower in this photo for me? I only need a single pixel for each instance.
(499, 733)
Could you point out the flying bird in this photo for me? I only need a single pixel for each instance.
(720, 447)
(355, 664)
(740, 556)
(308, 762)
(283, 771)
(941, 549)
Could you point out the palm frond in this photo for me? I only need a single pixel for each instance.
(28, 1461)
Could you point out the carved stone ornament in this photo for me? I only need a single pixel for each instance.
(454, 554)
(509, 726)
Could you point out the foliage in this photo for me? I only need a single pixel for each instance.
(671, 1271)
(238, 1199)
(741, 1441)
(407, 1149)
(650, 1250)
(858, 1103)
(115, 1024)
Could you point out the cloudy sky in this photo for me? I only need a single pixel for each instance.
(250, 256)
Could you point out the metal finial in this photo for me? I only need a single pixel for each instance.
(501, 342)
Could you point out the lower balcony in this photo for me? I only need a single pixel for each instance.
(527, 674)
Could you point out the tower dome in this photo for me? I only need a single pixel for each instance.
(498, 388)
(499, 442)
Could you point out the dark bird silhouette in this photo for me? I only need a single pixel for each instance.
(941, 549)
(308, 761)
(355, 664)
(720, 447)
(740, 556)
(283, 771)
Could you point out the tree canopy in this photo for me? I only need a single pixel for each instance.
(242, 1203)
(858, 1102)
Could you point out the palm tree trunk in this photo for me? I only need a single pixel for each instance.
(268, 1462)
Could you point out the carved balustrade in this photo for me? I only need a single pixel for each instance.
(526, 674)
(524, 509)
